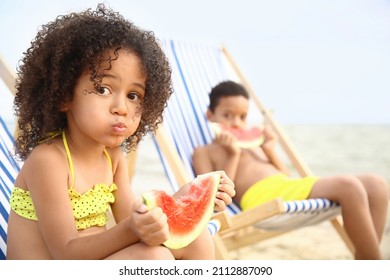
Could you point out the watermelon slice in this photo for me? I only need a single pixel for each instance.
(247, 138)
(188, 214)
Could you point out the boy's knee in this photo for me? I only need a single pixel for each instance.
(351, 188)
(377, 186)
(351, 183)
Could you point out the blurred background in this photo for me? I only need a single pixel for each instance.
(321, 66)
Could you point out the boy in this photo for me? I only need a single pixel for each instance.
(260, 175)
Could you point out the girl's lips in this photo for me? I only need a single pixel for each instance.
(119, 128)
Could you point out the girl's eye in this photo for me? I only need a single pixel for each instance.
(133, 97)
(103, 91)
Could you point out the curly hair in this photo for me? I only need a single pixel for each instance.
(59, 54)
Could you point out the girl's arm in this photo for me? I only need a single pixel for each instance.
(148, 226)
(49, 191)
(124, 196)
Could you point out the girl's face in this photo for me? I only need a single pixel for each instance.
(111, 114)
(231, 111)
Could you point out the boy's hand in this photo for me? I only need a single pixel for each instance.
(228, 141)
(150, 226)
(225, 192)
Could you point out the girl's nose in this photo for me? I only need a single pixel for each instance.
(119, 105)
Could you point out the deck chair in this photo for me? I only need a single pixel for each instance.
(9, 168)
(196, 68)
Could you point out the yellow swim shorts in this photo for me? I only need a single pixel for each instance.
(277, 186)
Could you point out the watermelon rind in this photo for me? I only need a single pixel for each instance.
(176, 241)
(251, 144)
(243, 144)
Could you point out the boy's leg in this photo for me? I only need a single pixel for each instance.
(350, 193)
(378, 197)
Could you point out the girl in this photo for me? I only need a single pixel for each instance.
(90, 86)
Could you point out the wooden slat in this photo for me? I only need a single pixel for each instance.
(172, 157)
(256, 214)
(7, 75)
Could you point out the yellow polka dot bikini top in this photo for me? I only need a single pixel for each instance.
(89, 208)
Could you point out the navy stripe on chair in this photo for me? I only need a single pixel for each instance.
(9, 168)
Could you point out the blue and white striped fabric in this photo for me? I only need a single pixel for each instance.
(196, 68)
(9, 168)
(299, 213)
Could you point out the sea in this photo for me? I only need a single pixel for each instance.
(330, 149)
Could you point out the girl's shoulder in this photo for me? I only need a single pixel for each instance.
(45, 160)
(47, 153)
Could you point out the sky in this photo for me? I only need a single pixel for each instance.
(310, 61)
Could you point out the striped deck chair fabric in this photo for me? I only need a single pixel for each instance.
(196, 68)
(9, 168)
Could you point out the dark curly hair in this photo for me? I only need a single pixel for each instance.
(66, 47)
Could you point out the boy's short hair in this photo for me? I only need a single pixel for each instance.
(225, 89)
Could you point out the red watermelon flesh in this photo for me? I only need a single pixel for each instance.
(189, 213)
(247, 138)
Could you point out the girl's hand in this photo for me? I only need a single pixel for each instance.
(150, 225)
(225, 192)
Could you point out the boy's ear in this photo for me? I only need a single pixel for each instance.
(209, 114)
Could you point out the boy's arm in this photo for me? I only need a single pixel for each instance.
(230, 166)
(269, 149)
(202, 162)
(276, 161)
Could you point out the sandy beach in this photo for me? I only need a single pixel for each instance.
(319, 242)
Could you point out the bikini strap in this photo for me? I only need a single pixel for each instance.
(69, 157)
(108, 158)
